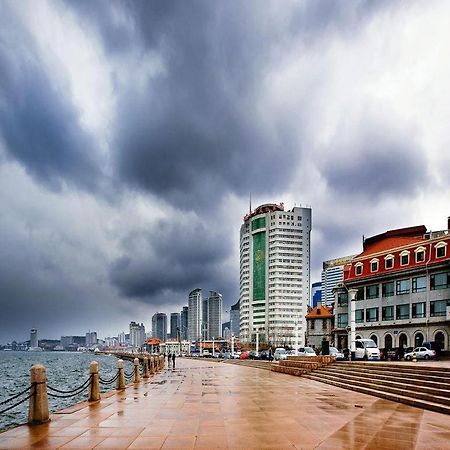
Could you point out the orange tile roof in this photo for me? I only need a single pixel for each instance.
(389, 243)
(324, 313)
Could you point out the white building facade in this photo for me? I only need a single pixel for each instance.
(195, 305)
(275, 274)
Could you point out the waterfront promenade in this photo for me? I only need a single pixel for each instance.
(205, 404)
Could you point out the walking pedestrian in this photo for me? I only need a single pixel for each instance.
(168, 359)
(173, 360)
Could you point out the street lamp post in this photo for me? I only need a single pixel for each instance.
(352, 294)
(214, 350)
(232, 345)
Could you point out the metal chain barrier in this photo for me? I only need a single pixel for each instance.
(71, 393)
(4, 402)
(111, 381)
(128, 376)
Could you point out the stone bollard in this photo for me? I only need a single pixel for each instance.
(38, 403)
(121, 379)
(150, 362)
(145, 367)
(137, 377)
(94, 386)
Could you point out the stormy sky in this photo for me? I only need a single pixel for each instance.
(131, 134)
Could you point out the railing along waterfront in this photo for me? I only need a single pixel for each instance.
(38, 391)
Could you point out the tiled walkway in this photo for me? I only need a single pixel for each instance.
(209, 405)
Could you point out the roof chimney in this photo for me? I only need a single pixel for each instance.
(319, 306)
(448, 223)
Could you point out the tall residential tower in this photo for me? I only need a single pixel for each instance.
(274, 274)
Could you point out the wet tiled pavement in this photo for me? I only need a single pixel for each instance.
(209, 405)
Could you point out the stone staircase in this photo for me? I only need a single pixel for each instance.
(301, 365)
(415, 385)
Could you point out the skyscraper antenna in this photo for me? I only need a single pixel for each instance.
(250, 202)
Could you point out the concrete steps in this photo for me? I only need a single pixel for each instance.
(423, 387)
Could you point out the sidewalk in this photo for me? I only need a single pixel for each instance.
(207, 405)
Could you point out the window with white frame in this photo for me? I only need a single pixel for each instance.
(374, 265)
(358, 268)
(441, 249)
(389, 261)
(420, 254)
(404, 258)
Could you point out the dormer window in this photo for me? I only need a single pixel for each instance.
(358, 268)
(374, 265)
(420, 254)
(389, 261)
(441, 249)
(404, 258)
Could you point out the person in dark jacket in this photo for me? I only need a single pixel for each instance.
(173, 360)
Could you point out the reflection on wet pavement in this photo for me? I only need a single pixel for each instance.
(213, 405)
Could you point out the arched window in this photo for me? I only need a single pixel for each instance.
(439, 338)
(358, 268)
(388, 342)
(374, 338)
(441, 249)
(403, 341)
(420, 254)
(418, 339)
(404, 258)
(389, 261)
(374, 265)
(358, 336)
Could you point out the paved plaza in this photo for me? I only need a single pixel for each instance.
(203, 404)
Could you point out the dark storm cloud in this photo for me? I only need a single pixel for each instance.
(39, 126)
(377, 164)
(173, 257)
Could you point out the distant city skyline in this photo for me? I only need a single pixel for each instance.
(123, 185)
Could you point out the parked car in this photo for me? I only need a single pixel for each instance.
(306, 351)
(421, 353)
(244, 355)
(237, 355)
(264, 355)
(337, 354)
(367, 349)
(280, 353)
(254, 355)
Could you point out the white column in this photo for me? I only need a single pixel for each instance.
(214, 351)
(232, 345)
(296, 338)
(352, 296)
(257, 341)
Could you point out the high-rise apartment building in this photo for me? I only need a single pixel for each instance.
(332, 275)
(137, 334)
(316, 294)
(91, 338)
(33, 338)
(234, 319)
(184, 323)
(174, 325)
(159, 326)
(214, 315)
(195, 309)
(275, 274)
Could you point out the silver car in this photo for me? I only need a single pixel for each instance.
(421, 353)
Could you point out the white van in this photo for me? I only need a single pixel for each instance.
(367, 349)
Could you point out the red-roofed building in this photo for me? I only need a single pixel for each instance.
(403, 282)
(319, 326)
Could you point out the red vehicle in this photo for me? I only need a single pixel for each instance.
(244, 355)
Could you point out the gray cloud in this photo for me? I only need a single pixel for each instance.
(173, 257)
(196, 124)
(38, 124)
(376, 164)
